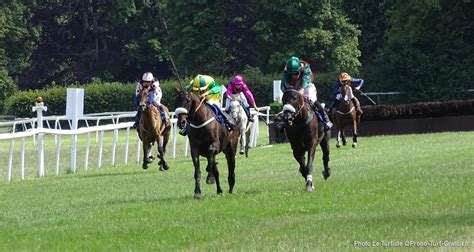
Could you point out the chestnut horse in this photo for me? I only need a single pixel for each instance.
(305, 133)
(151, 129)
(207, 138)
(344, 115)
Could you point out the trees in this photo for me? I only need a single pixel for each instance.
(221, 37)
(425, 50)
(76, 41)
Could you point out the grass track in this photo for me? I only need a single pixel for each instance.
(391, 188)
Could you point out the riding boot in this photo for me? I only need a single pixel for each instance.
(137, 119)
(228, 121)
(327, 122)
(166, 119)
(357, 105)
(249, 116)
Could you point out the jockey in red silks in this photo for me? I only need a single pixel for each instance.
(238, 86)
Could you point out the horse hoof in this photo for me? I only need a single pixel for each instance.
(326, 174)
(309, 186)
(210, 180)
(241, 152)
(197, 196)
(354, 145)
(145, 166)
(338, 145)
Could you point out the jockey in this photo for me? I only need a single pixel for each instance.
(355, 83)
(238, 86)
(153, 97)
(206, 87)
(298, 76)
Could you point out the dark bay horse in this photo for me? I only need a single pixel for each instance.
(207, 137)
(151, 129)
(344, 115)
(305, 133)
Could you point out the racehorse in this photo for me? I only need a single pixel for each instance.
(344, 115)
(151, 130)
(243, 124)
(305, 132)
(207, 138)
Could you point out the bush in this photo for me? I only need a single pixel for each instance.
(7, 88)
(98, 97)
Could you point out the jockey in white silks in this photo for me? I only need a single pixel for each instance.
(154, 97)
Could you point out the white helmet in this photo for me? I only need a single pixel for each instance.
(147, 76)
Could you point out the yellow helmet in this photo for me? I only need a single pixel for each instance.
(199, 83)
(344, 77)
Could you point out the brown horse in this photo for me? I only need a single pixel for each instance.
(344, 115)
(151, 129)
(305, 133)
(207, 137)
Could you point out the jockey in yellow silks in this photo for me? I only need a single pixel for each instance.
(208, 89)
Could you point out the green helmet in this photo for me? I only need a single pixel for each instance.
(293, 65)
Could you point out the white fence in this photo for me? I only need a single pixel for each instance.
(33, 128)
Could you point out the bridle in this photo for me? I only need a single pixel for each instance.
(301, 103)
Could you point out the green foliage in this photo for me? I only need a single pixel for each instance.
(275, 107)
(425, 50)
(261, 34)
(7, 87)
(98, 97)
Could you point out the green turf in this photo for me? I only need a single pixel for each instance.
(391, 188)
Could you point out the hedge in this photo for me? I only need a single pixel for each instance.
(115, 96)
(418, 110)
(98, 97)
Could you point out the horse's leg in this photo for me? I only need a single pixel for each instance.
(338, 140)
(212, 166)
(146, 155)
(309, 167)
(230, 157)
(247, 135)
(299, 156)
(325, 149)
(343, 136)
(210, 179)
(166, 137)
(243, 139)
(161, 155)
(197, 172)
(354, 133)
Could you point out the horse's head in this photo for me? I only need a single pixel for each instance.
(185, 104)
(293, 102)
(345, 89)
(144, 97)
(235, 107)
